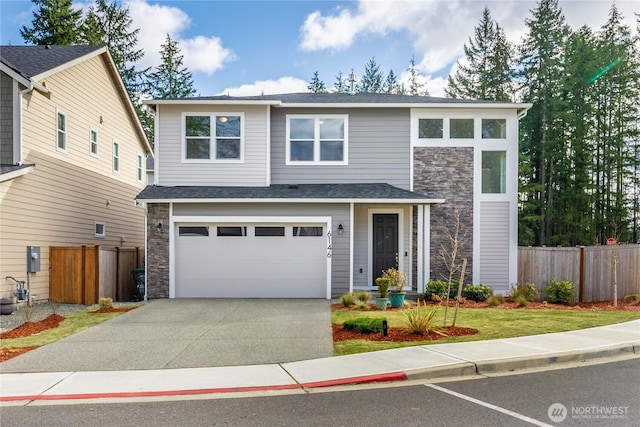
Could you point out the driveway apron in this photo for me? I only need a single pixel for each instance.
(191, 333)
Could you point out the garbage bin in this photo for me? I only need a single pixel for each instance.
(138, 278)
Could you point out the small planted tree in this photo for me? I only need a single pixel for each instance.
(449, 253)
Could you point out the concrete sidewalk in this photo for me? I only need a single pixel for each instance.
(423, 362)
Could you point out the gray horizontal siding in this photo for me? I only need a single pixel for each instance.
(379, 145)
(494, 245)
(6, 119)
(339, 214)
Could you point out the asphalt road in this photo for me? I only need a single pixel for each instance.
(589, 395)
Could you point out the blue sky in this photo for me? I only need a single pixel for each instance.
(253, 47)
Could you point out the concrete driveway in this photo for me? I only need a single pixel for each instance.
(191, 333)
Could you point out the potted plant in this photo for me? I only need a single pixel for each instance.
(397, 280)
(383, 289)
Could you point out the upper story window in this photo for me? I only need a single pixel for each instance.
(139, 167)
(494, 172)
(116, 157)
(93, 142)
(317, 139)
(213, 137)
(430, 128)
(62, 131)
(494, 128)
(461, 128)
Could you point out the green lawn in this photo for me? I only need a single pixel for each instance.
(492, 323)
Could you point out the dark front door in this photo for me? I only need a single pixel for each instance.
(385, 243)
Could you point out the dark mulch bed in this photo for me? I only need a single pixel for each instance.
(398, 334)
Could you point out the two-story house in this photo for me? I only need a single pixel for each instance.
(73, 157)
(313, 195)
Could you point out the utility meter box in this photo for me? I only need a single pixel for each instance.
(33, 259)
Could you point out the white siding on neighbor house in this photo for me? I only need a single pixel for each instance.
(494, 245)
(378, 144)
(339, 214)
(171, 170)
(58, 203)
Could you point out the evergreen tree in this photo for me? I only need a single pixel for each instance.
(340, 85)
(171, 79)
(616, 83)
(316, 85)
(488, 74)
(55, 22)
(416, 87)
(542, 145)
(372, 79)
(391, 84)
(109, 24)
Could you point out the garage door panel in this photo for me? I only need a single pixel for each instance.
(251, 266)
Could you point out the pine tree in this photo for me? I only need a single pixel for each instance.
(391, 84)
(372, 79)
(488, 74)
(55, 22)
(171, 79)
(109, 24)
(340, 84)
(316, 85)
(416, 87)
(542, 144)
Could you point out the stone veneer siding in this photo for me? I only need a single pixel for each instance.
(447, 173)
(157, 251)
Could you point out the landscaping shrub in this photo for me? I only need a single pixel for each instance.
(347, 300)
(632, 298)
(439, 289)
(528, 291)
(364, 325)
(477, 293)
(421, 320)
(105, 302)
(495, 300)
(561, 291)
(362, 305)
(364, 296)
(521, 300)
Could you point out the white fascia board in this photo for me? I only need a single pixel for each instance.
(70, 64)
(16, 76)
(278, 200)
(188, 101)
(519, 107)
(16, 173)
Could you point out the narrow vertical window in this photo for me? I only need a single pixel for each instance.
(93, 143)
(62, 131)
(116, 157)
(139, 167)
(494, 172)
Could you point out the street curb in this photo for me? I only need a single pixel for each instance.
(529, 362)
(459, 369)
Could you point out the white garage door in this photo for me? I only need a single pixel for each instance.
(251, 260)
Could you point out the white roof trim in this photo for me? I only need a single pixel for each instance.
(299, 200)
(16, 173)
(407, 105)
(210, 102)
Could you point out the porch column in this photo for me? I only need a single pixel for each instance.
(424, 243)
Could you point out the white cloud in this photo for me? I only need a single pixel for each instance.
(155, 21)
(269, 87)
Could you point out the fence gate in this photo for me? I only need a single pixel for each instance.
(75, 274)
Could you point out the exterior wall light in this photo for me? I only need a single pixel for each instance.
(340, 229)
(159, 227)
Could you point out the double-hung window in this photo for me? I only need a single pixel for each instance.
(317, 139)
(62, 131)
(213, 137)
(116, 157)
(93, 142)
(139, 167)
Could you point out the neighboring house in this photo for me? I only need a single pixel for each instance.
(73, 158)
(313, 195)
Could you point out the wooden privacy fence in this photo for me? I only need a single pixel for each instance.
(590, 268)
(82, 274)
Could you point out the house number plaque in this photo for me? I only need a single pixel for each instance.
(329, 246)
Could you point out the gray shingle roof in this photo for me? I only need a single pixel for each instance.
(342, 98)
(283, 191)
(30, 61)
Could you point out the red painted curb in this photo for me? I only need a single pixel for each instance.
(392, 376)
